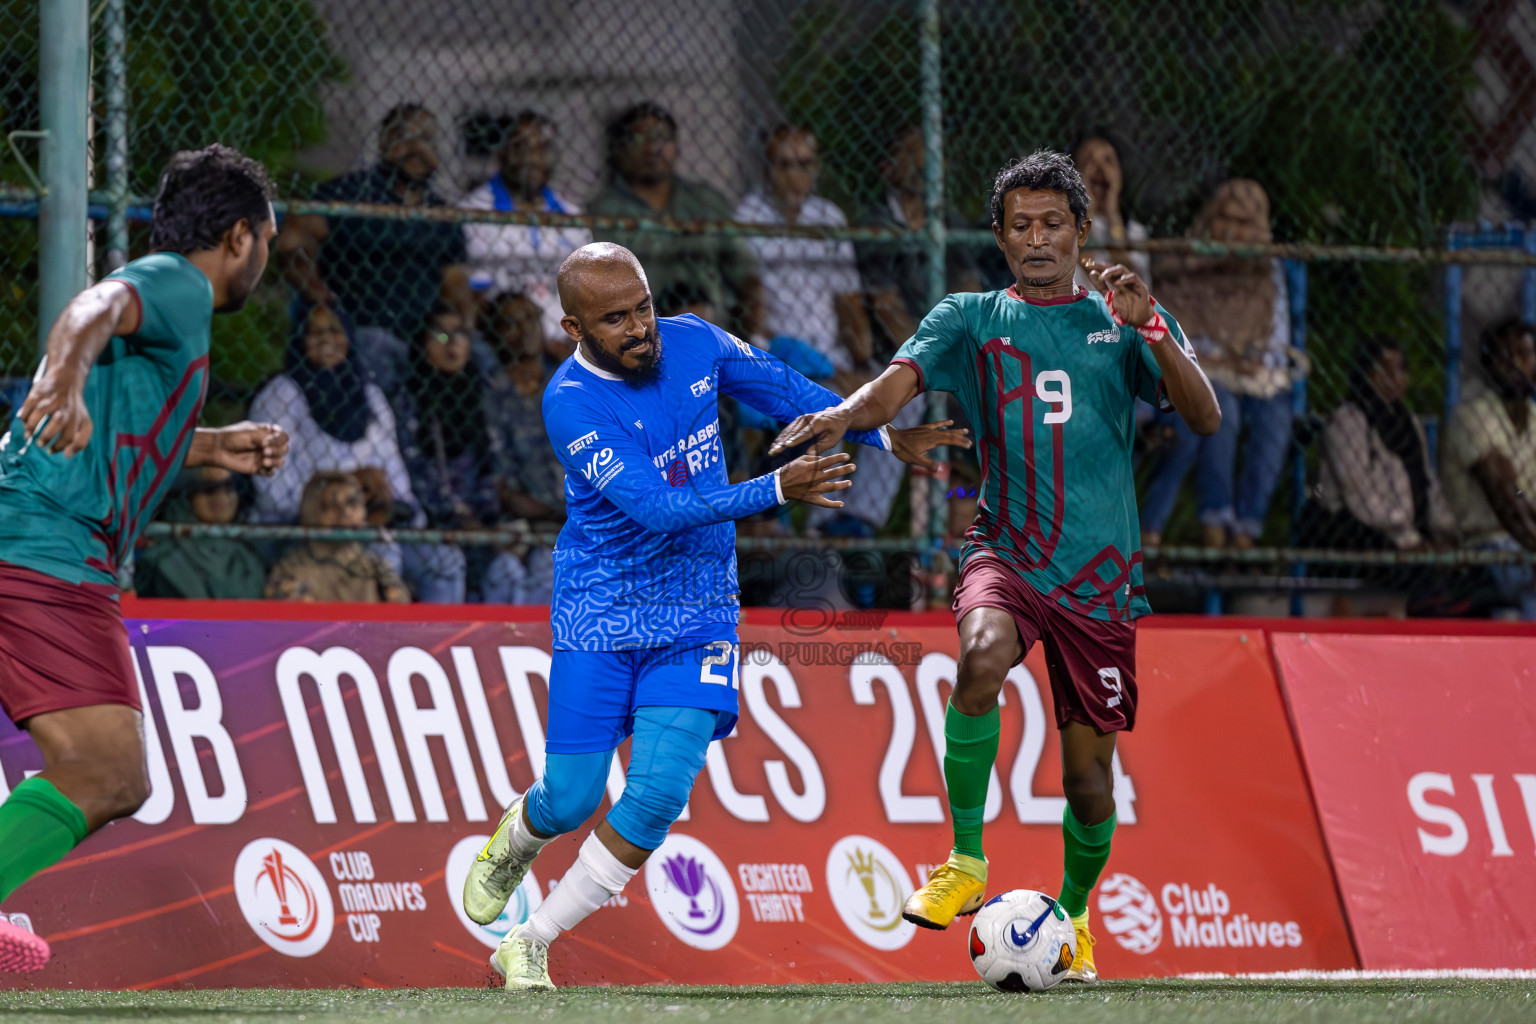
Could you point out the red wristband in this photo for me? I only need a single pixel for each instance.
(1153, 331)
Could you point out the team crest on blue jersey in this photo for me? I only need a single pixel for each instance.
(677, 473)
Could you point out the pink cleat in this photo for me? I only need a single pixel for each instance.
(20, 950)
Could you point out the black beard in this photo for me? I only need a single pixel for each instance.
(240, 290)
(646, 373)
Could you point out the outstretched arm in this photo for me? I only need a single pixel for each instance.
(597, 451)
(869, 408)
(56, 402)
(771, 386)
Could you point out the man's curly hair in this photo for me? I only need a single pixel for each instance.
(1044, 170)
(205, 192)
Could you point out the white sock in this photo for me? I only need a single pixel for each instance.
(523, 843)
(595, 878)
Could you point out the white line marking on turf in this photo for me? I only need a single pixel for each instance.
(1471, 973)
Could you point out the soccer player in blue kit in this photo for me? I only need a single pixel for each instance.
(645, 606)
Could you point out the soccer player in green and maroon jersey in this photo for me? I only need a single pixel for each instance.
(1049, 375)
(110, 419)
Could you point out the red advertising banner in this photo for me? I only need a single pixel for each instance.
(1421, 752)
(320, 787)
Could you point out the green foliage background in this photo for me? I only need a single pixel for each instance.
(248, 73)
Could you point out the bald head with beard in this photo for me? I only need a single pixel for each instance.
(609, 313)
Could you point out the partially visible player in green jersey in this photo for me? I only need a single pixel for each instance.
(1049, 375)
(110, 419)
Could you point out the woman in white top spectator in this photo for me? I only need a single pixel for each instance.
(338, 419)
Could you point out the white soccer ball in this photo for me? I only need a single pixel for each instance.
(1022, 941)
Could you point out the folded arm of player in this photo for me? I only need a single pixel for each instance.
(242, 448)
(1189, 390)
(54, 412)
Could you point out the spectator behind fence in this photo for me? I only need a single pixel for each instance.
(519, 258)
(1235, 313)
(895, 271)
(205, 568)
(1098, 161)
(642, 161)
(810, 285)
(531, 480)
(444, 436)
(1377, 489)
(318, 570)
(387, 273)
(339, 420)
(1489, 458)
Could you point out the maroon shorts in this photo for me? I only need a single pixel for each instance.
(1092, 662)
(62, 645)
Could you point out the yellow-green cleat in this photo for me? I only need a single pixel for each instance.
(523, 962)
(495, 874)
(954, 889)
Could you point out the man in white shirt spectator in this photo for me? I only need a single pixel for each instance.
(810, 285)
(1489, 463)
(520, 258)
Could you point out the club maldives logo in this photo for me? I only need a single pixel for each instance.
(1130, 913)
(868, 886)
(284, 897)
(692, 892)
(525, 898)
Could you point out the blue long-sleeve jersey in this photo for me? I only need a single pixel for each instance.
(648, 552)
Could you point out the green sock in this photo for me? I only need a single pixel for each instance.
(970, 747)
(38, 826)
(1087, 850)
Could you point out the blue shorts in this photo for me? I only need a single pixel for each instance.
(593, 694)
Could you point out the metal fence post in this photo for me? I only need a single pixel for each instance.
(930, 49)
(1296, 290)
(115, 25)
(64, 62)
(1527, 235)
(1453, 277)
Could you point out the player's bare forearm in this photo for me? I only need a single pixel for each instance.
(247, 448)
(869, 408)
(877, 403)
(1189, 389)
(54, 413)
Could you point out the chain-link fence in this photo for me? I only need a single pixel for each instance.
(788, 169)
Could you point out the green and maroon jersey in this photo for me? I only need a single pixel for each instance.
(1050, 389)
(77, 518)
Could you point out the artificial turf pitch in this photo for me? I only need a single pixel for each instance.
(1272, 1002)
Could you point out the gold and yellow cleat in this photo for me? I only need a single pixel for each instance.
(954, 889)
(1082, 969)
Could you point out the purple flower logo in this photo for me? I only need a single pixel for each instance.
(690, 878)
(692, 892)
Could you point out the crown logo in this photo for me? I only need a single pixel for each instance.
(863, 865)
